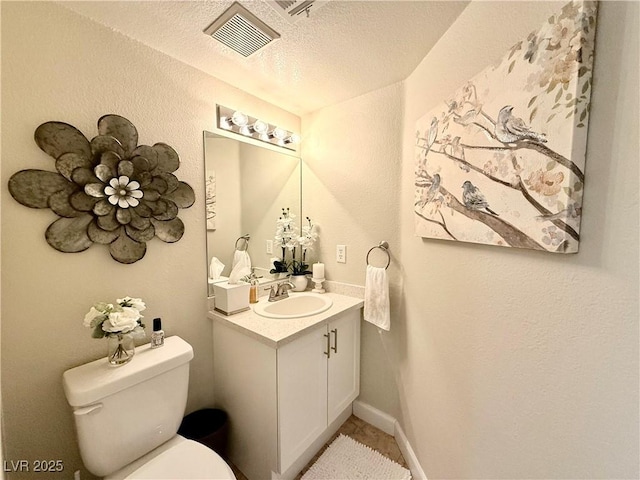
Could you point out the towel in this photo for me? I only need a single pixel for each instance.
(241, 266)
(241, 256)
(376, 297)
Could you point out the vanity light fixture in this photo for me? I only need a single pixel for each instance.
(239, 122)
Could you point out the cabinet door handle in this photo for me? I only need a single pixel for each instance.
(328, 352)
(335, 340)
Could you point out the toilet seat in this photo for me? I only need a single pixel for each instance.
(179, 459)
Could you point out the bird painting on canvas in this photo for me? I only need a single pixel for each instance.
(473, 198)
(511, 129)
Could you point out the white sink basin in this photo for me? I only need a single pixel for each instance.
(297, 305)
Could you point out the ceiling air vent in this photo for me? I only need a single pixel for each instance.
(241, 30)
(294, 10)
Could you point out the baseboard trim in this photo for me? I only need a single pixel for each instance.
(390, 425)
(375, 417)
(409, 455)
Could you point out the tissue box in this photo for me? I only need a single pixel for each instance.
(230, 299)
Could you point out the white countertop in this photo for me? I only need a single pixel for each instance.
(276, 332)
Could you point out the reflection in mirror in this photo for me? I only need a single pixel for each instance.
(246, 188)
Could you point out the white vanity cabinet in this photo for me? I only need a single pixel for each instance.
(285, 398)
(318, 378)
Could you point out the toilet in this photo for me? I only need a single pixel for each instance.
(127, 417)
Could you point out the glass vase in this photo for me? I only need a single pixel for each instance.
(121, 348)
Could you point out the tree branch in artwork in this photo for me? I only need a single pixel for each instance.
(518, 185)
(530, 144)
(513, 236)
(546, 214)
(443, 224)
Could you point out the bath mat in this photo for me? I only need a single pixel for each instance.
(346, 459)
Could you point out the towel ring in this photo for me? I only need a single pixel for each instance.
(246, 242)
(384, 246)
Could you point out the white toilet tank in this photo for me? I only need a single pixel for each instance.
(122, 413)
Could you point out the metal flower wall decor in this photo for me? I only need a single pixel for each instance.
(109, 190)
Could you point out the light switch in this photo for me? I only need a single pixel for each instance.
(269, 247)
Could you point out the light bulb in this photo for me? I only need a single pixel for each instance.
(280, 134)
(239, 119)
(294, 138)
(244, 130)
(260, 127)
(224, 123)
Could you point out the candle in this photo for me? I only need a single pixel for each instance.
(318, 270)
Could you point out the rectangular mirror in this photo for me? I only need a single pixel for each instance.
(247, 186)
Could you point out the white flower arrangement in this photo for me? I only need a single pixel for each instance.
(308, 237)
(107, 319)
(286, 231)
(287, 238)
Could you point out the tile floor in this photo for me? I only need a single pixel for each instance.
(361, 432)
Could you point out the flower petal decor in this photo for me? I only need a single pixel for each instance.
(109, 190)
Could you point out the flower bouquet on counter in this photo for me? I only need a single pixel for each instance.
(118, 322)
(289, 240)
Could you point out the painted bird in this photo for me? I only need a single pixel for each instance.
(474, 199)
(429, 194)
(511, 129)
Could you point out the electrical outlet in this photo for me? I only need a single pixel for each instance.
(269, 247)
(341, 254)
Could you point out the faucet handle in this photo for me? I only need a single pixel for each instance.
(284, 287)
(272, 292)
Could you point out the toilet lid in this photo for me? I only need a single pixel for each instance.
(186, 460)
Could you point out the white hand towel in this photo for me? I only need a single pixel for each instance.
(241, 257)
(241, 266)
(376, 297)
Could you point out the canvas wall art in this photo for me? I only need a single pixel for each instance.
(501, 161)
(210, 199)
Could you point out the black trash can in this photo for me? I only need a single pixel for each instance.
(209, 426)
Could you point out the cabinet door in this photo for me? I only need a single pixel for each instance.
(344, 363)
(302, 395)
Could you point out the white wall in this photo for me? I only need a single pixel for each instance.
(521, 364)
(500, 363)
(57, 65)
(351, 171)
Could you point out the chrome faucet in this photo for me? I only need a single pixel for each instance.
(280, 292)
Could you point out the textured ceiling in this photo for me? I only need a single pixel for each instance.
(343, 49)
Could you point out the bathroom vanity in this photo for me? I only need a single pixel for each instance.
(286, 383)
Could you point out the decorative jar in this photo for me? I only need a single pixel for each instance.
(300, 282)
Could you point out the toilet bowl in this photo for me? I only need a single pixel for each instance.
(178, 458)
(127, 417)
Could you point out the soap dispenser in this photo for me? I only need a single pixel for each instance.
(253, 291)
